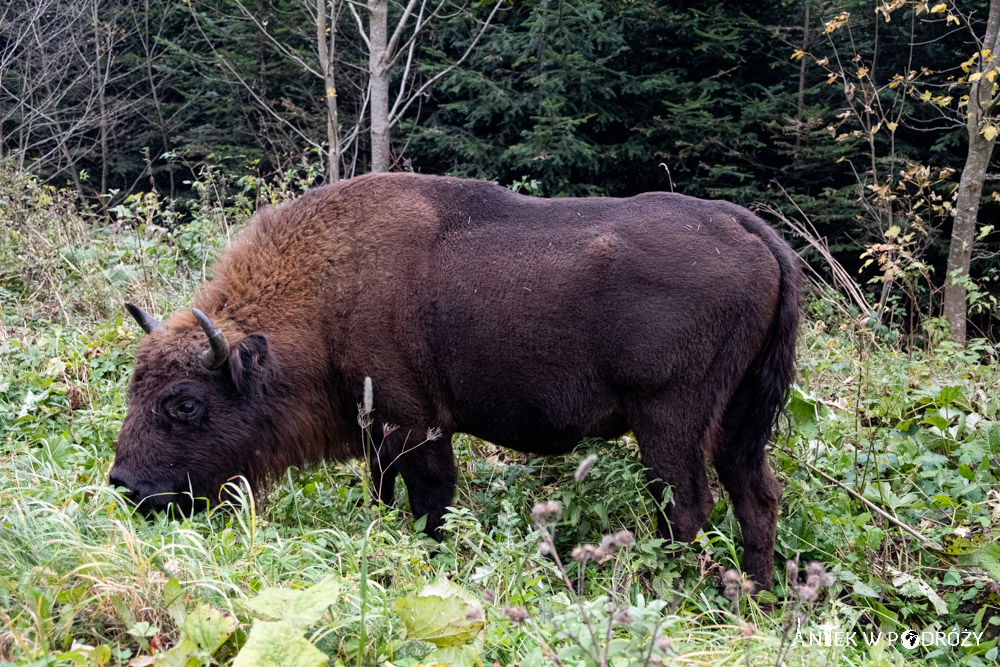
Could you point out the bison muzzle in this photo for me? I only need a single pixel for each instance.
(531, 323)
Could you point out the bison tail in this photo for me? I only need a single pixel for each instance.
(762, 394)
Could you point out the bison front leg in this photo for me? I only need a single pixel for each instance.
(428, 469)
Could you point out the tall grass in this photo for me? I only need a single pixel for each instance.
(85, 581)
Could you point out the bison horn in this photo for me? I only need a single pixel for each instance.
(218, 350)
(148, 323)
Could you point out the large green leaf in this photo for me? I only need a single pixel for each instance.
(442, 613)
(208, 627)
(988, 558)
(278, 644)
(299, 608)
(455, 656)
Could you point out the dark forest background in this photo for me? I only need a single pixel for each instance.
(787, 105)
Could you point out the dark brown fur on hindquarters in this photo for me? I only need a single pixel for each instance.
(532, 323)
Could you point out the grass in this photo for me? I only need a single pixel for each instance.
(318, 568)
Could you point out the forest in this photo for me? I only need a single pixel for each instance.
(137, 137)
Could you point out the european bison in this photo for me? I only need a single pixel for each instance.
(531, 323)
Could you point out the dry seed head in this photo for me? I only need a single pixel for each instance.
(489, 595)
(543, 512)
(748, 630)
(625, 538)
(816, 575)
(732, 584)
(806, 593)
(368, 395)
(516, 614)
(624, 618)
(584, 468)
(792, 570)
(587, 552)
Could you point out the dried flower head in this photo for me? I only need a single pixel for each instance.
(816, 575)
(584, 468)
(748, 630)
(732, 584)
(516, 614)
(662, 644)
(474, 614)
(545, 549)
(806, 593)
(792, 570)
(587, 552)
(625, 538)
(489, 595)
(368, 395)
(543, 512)
(623, 617)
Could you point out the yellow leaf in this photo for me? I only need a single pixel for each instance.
(989, 132)
(331, 92)
(951, 17)
(936, 9)
(862, 72)
(797, 54)
(975, 76)
(892, 126)
(892, 232)
(921, 7)
(925, 96)
(992, 74)
(944, 101)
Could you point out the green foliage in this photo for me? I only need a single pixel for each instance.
(319, 576)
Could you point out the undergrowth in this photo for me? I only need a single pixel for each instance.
(889, 521)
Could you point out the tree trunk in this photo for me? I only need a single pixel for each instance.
(100, 81)
(970, 187)
(802, 85)
(326, 57)
(378, 69)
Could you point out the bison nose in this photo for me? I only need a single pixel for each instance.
(122, 479)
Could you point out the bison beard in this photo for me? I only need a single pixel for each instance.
(531, 323)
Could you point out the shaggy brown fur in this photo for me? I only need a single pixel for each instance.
(532, 323)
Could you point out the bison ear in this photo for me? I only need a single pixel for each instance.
(251, 364)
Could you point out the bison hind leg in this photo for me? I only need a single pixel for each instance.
(743, 470)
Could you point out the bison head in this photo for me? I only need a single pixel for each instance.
(197, 411)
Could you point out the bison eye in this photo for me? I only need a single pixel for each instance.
(185, 409)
